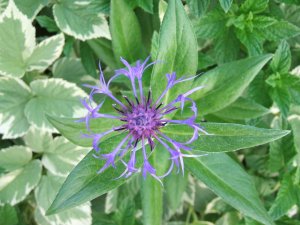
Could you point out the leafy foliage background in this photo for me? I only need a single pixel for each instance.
(49, 48)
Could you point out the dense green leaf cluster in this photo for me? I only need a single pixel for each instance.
(246, 56)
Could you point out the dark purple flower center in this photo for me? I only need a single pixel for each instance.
(141, 119)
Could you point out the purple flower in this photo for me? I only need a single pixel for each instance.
(142, 119)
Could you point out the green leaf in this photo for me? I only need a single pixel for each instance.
(255, 6)
(295, 123)
(226, 47)
(282, 98)
(258, 90)
(198, 8)
(126, 212)
(14, 157)
(17, 184)
(47, 23)
(54, 97)
(8, 215)
(62, 156)
(45, 194)
(242, 109)
(152, 190)
(146, 5)
(177, 56)
(282, 58)
(281, 149)
(69, 15)
(84, 183)
(14, 94)
(224, 84)
(285, 199)
(224, 137)
(73, 130)
(154, 45)
(228, 180)
(211, 26)
(88, 59)
(281, 30)
(225, 4)
(45, 53)
(125, 31)
(252, 41)
(175, 184)
(103, 49)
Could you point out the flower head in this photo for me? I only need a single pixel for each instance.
(142, 118)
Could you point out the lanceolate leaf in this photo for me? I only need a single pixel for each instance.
(84, 183)
(228, 180)
(285, 199)
(177, 50)
(103, 49)
(223, 85)
(152, 190)
(225, 137)
(73, 130)
(242, 109)
(125, 31)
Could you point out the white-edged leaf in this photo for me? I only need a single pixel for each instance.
(225, 4)
(18, 50)
(3, 5)
(17, 184)
(14, 157)
(62, 156)
(55, 97)
(45, 194)
(81, 19)
(14, 94)
(38, 140)
(45, 53)
(17, 41)
(30, 7)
